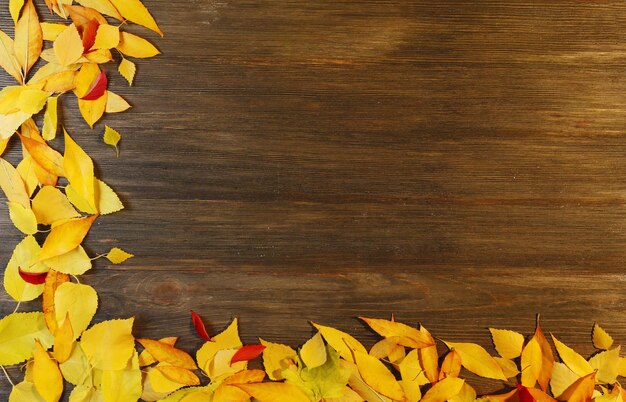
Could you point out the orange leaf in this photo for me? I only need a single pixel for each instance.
(66, 237)
(53, 281)
(46, 157)
(407, 336)
(581, 390)
(163, 352)
(179, 375)
(64, 340)
(245, 377)
(146, 359)
(451, 366)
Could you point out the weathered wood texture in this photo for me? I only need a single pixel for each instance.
(456, 163)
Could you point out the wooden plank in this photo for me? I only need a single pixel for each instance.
(459, 164)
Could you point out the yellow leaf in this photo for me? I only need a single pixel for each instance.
(84, 393)
(28, 170)
(112, 138)
(15, 7)
(228, 339)
(10, 122)
(66, 237)
(28, 38)
(508, 343)
(179, 375)
(107, 37)
(103, 6)
(46, 157)
(50, 123)
(245, 377)
(339, 341)
(118, 256)
(78, 201)
(347, 395)
(81, 16)
(79, 301)
(60, 82)
(477, 360)
(622, 366)
(18, 332)
(79, 171)
(444, 390)
(601, 339)
(109, 345)
(3, 145)
(272, 392)
(25, 392)
(451, 365)
(146, 359)
(581, 390)
(23, 218)
(220, 367)
(92, 110)
(408, 336)
(429, 360)
(606, 365)
(531, 363)
(108, 201)
(122, 385)
(115, 103)
(32, 100)
(12, 184)
(127, 69)
(229, 393)
(202, 395)
(539, 395)
(135, 46)
(509, 368)
(135, 11)
(64, 340)
(99, 56)
(85, 78)
(411, 369)
(51, 30)
(385, 347)
(163, 352)
(573, 360)
(68, 46)
(467, 394)
(47, 376)
(53, 281)
(547, 358)
(160, 383)
(24, 256)
(8, 61)
(313, 352)
(276, 358)
(377, 376)
(50, 205)
(76, 369)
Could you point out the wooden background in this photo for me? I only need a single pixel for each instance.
(456, 163)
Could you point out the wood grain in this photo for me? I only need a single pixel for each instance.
(459, 164)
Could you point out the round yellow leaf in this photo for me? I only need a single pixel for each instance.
(79, 301)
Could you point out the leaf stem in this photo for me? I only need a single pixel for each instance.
(17, 306)
(99, 256)
(7, 376)
(76, 278)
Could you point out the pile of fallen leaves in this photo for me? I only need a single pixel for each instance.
(54, 199)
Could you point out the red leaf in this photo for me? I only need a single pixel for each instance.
(249, 352)
(199, 325)
(98, 88)
(34, 278)
(89, 34)
(524, 395)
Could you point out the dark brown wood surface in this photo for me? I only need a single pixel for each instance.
(456, 163)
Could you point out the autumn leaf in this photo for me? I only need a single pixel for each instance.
(179, 375)
(247, 353)
(79, 172)
(135, 46)
(8, 60)
(340, 341)
(531, 363)
(12, 185)
(63, 340)
(272, 392)
(601, 339)
(199, 326)
(573, 360)
(24, 257)
(50, 206)
(444, 390)
(163, 352)
(477, 360)
(25, 392)
(581, 390)
(112, 138)
(50, 122)
(103, 6)
(34, 278)
(78, 301)
(122, 385)
(107, 37)
(23, 218)
(135, 11)
(97, 89)
(51, 30)
(127, 70)
(44, 155)
(508, 343)
(28, 38)
(66, 237)
(18, 332)
(115, 103)
(68, 46)
(146, 359)
(109, 345)
(53, 280)
(118, 256)
(276, 358)
(313, 352)
(228, 339)
(377, 376)
(606, 365)
(408, 336)
(451, 365)
(47, 376)
(90, 30)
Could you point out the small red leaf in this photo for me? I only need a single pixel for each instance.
(199, 325)
(246, 353)
(524, 395)
(34, 278)
(98, 88)
(89, 34)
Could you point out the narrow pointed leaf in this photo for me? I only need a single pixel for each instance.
(247, 353)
